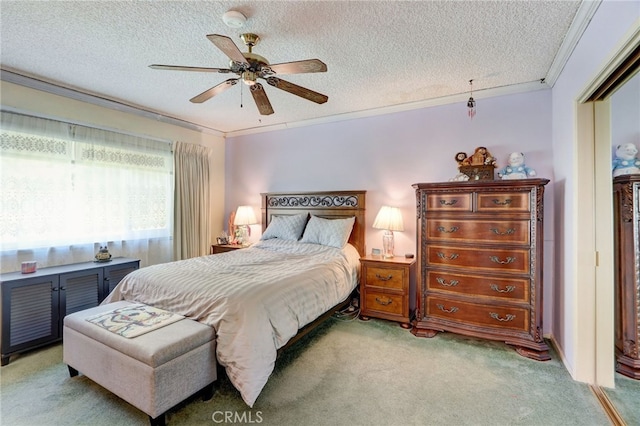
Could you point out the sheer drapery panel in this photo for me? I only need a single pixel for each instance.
(192, 226)
(66, 186)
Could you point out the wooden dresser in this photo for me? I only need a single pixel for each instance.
(626, 196)
(480, 254)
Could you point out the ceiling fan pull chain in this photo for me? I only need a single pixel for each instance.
(241, 92)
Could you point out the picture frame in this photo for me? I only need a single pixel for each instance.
(222, 241)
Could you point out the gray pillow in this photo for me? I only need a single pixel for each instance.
(286, 227)
(328, 232)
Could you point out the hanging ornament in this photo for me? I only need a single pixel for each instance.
(471, 103)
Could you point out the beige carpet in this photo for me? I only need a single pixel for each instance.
(347, 372)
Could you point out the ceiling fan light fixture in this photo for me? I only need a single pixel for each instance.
(249, 78)
(234, 19)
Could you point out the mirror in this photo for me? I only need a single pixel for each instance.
(625, 129)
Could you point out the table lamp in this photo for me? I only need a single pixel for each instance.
(389, 219)
(243, 218)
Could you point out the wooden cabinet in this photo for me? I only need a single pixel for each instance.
(223, 248)
(387, 289)
(34, 305)
(626, 194)
(480, 257)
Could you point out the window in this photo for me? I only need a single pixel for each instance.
(64, 184)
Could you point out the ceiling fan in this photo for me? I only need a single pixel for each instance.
(249, 67)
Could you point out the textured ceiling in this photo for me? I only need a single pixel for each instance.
(379, 54)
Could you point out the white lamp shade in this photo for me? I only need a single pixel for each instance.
(244, 216)
(389, 218)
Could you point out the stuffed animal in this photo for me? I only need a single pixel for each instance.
(626, 161)
(516, 168)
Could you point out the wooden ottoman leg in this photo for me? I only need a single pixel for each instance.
(158, 421)
(208, 391)
(72, 371)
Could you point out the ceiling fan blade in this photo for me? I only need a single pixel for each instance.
(215, 90)
(260, 97)
(183, 68)
(228, 47)
(298, 67)
(303, 92)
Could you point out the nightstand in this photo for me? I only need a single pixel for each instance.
(387, 289)
(223, 248)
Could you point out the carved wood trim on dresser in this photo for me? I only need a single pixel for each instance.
(626, 196)
(480, 261)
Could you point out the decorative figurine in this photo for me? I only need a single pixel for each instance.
(516, 169)
(478, 166)
(103, 255)
(460, 177)
(480, 157)
(626, 161)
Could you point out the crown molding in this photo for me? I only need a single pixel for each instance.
(54, 89)
(578, 26)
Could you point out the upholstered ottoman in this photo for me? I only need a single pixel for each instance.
(153, 371)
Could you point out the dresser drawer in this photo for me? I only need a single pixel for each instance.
(499, 317)
(514, 289)
(385, 277)
(480, 258)
(395, 304)
(449, 202)
(482, 231)
(504, 201)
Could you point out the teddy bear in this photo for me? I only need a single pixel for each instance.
(626, 161)
(516, 169)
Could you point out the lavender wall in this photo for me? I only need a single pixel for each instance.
(611, 25)
(386, 154)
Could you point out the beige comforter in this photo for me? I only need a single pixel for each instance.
(256, 298)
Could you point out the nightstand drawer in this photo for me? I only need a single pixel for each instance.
(391, 278)
(480, 258)
(515, 289)
(480, 231)
(223, 248)
(394, 304)
(515, 318)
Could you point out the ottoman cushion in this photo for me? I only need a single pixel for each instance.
(153, 348)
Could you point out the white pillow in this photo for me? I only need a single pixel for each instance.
(328, 232)
(285, 227)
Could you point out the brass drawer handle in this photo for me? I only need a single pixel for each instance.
(448, 203)
(381, 278)
(508, 317)
(507, 232)
(502, 262)
(442, 281)
(450, 231)
(508, 288)
(384, 302)
(444, 257)
(502, 203)
(450, 311)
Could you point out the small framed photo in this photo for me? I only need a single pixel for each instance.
(376, 252)
(222, 241)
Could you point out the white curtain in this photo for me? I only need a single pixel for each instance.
(192, 227)
(69, 189)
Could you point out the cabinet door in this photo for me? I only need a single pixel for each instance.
(29, 313)
(113, 274)
(80, 290)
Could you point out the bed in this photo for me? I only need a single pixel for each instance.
(263, 298)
